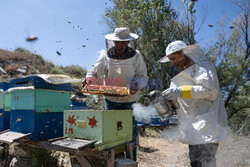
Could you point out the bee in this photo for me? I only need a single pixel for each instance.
(155, 40)
(59, 53)
(31, 38)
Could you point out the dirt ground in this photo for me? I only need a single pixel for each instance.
(154, 151)
(158, 152)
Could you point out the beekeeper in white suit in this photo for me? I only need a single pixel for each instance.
(120, 64)
(202, 115)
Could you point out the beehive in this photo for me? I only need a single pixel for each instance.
(37, 107)
(39, 100)
(38, 111)
(108, 128)
(4, 112)
(75, 105)
(7, 101)
(1, 99)
(1, 109)
(3, 88)
(39, 83)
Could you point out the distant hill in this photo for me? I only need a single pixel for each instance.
(23, 62)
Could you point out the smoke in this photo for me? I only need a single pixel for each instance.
(143, 113)
(233, 152)
(183, 132)
(172, 134)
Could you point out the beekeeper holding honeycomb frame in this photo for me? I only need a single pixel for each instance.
(120, 65)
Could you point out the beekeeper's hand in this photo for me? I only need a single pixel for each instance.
(88, 80)
(133, 88)
(171, 93)
(84, 82)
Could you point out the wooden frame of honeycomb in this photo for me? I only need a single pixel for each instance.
(106, 90)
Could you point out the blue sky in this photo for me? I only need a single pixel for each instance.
(67, 25)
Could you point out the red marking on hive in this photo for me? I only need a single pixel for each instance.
(69, 130)
(92, 122)
(71, 120)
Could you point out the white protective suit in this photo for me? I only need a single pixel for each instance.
(122, 72)
(202, 115)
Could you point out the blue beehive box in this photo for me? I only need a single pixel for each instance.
(37, 107)
(4, 114)
(39, 83)
(75, 105)
(4, 85)
(42, 126)
(155, 121)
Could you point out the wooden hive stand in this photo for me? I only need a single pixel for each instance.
(88, 156)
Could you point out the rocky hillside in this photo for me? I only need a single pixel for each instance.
(23, 62)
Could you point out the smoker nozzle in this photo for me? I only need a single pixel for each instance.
(153, 95)
(164, 107)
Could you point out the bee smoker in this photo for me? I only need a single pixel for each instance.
(164, 107)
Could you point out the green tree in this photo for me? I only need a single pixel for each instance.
(157, 24)
(230, 55)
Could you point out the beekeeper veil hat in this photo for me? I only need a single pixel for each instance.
(121, 34)
(192, 51)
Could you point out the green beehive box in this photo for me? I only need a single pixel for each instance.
(108, 127)
(40, 100)
(1, 99)
(7, 101)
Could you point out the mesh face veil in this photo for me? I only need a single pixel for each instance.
(110, 44)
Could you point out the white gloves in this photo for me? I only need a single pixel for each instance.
(171, 93)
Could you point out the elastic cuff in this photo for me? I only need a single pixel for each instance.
(186, 92)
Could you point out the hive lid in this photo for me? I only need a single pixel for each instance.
(9, 137)
(70, 143)
(57, 78)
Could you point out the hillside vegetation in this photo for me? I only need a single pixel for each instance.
(23, 62)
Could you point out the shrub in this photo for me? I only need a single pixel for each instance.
(56, 70)
(42, 157)
(75, 71)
